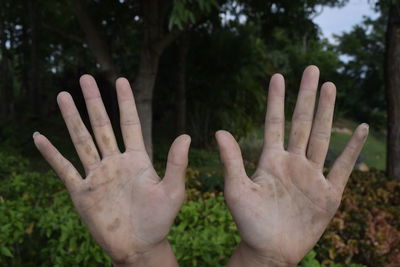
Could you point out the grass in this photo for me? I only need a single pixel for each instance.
(205, 160)
(373, 153)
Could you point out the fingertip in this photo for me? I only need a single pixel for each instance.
(277, 76)
(62, 97)
(221, 134)
(329, 84)
(86, 78)
(218, 134)
(36, 138)
(227, 144)
(365, 126)
(121, 81)
(363, 129)
(89, 87)
(124, 90)
(182, 144)
(40, 141)
(276, 87)
(312, 68)
(185, 138)
(328, 88)
(35, 134)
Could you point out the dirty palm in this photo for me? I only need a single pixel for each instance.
(281, 211)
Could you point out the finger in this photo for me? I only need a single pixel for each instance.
(63, 168)
(99, 119)
(304, 111)
(275, 118)
(129, 119)
(80, 136)
(321, 130)
(174, 178)
(231, 155)
(344, 164)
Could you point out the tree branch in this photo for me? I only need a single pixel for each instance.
(168, 38)
(95, 40)
(172, 35)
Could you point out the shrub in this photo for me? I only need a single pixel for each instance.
(204, 234)
(39, 225)
(366, 229)
(11, 163)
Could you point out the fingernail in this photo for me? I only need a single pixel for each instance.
(365, 130)
(35, 134)
(187, 138)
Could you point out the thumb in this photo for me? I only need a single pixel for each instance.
(174, 178)
(231, 155)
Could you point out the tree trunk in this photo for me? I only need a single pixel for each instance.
(143, 89)
(34, 65)
(392, 75)
(3, 70)
(154, 41)
(98, 45)
(95, 41)
(183, 48)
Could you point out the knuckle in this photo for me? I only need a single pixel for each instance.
(321, 135)
(302, 117)
(274, 120)
(82, 139)
(130, 122)
(100, 122)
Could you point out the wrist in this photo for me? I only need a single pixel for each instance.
(158, 255)
(245, 255)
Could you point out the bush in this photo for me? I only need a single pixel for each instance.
(366, 229)
(204, 234)
(39, 225)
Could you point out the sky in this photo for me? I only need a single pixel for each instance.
(337, 20)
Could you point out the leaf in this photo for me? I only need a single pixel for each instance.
(6, 252)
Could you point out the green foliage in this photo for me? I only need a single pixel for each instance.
(36, 212)
(204, 234)
(310, 261)
(362, 92)
(237, 67)
(186, 11)
(11, 164)
(39, 225)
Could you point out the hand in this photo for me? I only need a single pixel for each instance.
(283, 209)
(125, 205)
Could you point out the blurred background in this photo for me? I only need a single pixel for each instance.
(196, 67)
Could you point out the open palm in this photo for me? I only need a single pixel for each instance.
(126, 206)
(283, 209)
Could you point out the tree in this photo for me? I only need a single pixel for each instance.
(392, 75)
(131, 37)
(362, 74)
(162, 22)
